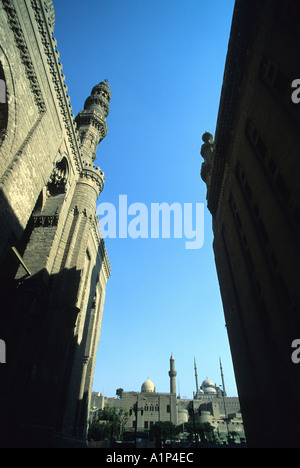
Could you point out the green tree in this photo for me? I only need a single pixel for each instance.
(109, 424)
(119, 392)
(209, 431)
(164, 430)
(205, 431)
(95, 431)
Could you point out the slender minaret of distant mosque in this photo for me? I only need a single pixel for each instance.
(222, 377)
(196, 376)
(172, 374)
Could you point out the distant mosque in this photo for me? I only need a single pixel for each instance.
(208, 387)
(209, 404)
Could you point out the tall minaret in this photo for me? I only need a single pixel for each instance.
(196, 376)
(222, 377)
(172, 374)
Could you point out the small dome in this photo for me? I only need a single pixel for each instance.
(148, 386)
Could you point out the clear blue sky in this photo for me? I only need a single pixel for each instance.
(165, 61)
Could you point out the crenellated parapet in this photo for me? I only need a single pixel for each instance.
(93, 176)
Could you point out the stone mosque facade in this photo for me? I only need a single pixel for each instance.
(53, 262)
(209, 404)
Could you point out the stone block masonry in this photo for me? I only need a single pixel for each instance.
(53, 262)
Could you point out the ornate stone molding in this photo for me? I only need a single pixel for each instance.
(24, 54)
(50, 11)
(90, 117)
(59, 176)
(55, 68)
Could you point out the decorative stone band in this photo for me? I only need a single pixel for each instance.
(94, 176)
(91, 117)
(24, 53)
(98, 101)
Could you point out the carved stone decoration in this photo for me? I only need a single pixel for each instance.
(55, 68)
(58, 178)
(45, 221)
(50, 11)
(24, 53)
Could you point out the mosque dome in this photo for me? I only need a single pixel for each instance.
(208, 387)
(210, 390)
(148, 386)
(207, 383)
